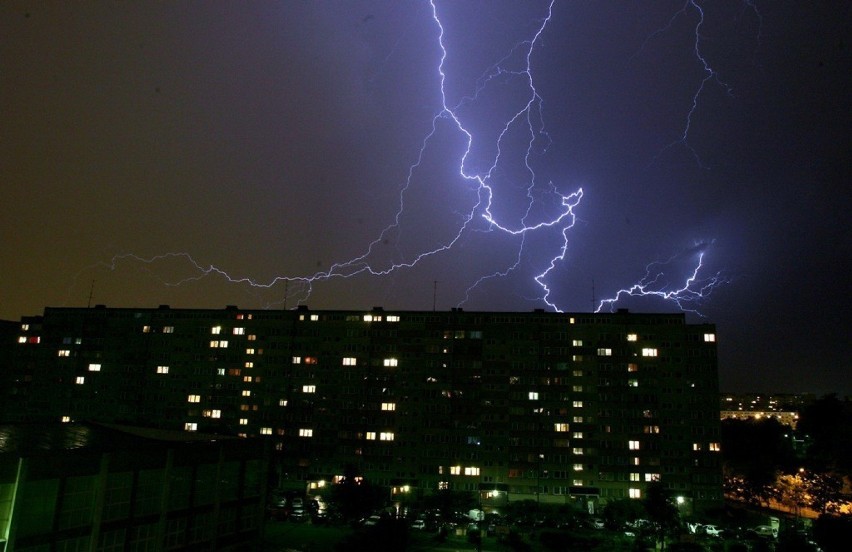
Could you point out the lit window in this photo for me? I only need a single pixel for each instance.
(243, 421)
(34, 339)
(190, 426)
(632, 367)
(560, 427)
(636, 461)
(22, 339)
(66, 419)
(247, 379)
(220, 371)
(577, 373)
(633, 445)
(310, 360)
(578, 451)
(633, 383)
(604, 352)
(443, 485)
(266, 431)
(309, 389)
(252, 337)
(304, 432)
(64, 353)
(80, 380)
(297, 360)
(371, 436)
(578, 482)
(389, 406)
(715, 447)
(216, 344)
(577, 404)
(250, 351)
(577, 388)
(25, 327)
(386, 436)
(577, 419)
(533, 395)
(249, 364)
(282, 402)
(94, 367)
(146, 329)
(577, 358)
(649, 352)
(696, 446)
(635, 493)
(634, 476)
(392, 318)
(246, 393)
(471, 471)
(162, 369)
(168, 329)
(650, 477)
(314, 317)
(215, 413)
(391, 362)
(350, 361)
(455, 470)
(632, 337)
(216, 330)
(577, 342)
(710, 338)
(239, 331)
(577, 435)
(193, 398)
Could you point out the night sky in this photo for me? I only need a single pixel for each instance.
(142, 144)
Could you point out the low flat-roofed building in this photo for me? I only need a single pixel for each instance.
(92, 487)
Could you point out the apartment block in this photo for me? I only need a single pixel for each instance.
(556, 407)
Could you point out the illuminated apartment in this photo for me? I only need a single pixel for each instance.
(549, 406)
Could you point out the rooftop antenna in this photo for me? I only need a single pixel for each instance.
(593, 295)
(91, 292)
(434, 294)
(286, 285)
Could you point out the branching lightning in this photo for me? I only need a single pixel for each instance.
(688, 296)
(710, 74)
(527, 118)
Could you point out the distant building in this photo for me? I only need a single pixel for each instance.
(87, 487)
(548, 406)
(756, 406)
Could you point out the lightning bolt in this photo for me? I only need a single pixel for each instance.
(710, 74)
(548, 214)
(656, 283)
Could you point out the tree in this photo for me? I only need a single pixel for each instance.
(662, 510)
(757, 449)
(828, 423)
(355, 497)
(617, 513)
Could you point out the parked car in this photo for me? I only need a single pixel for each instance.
(597, 523)
(299, 514)
(711, 530)
(766, 531)
(372, 520)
